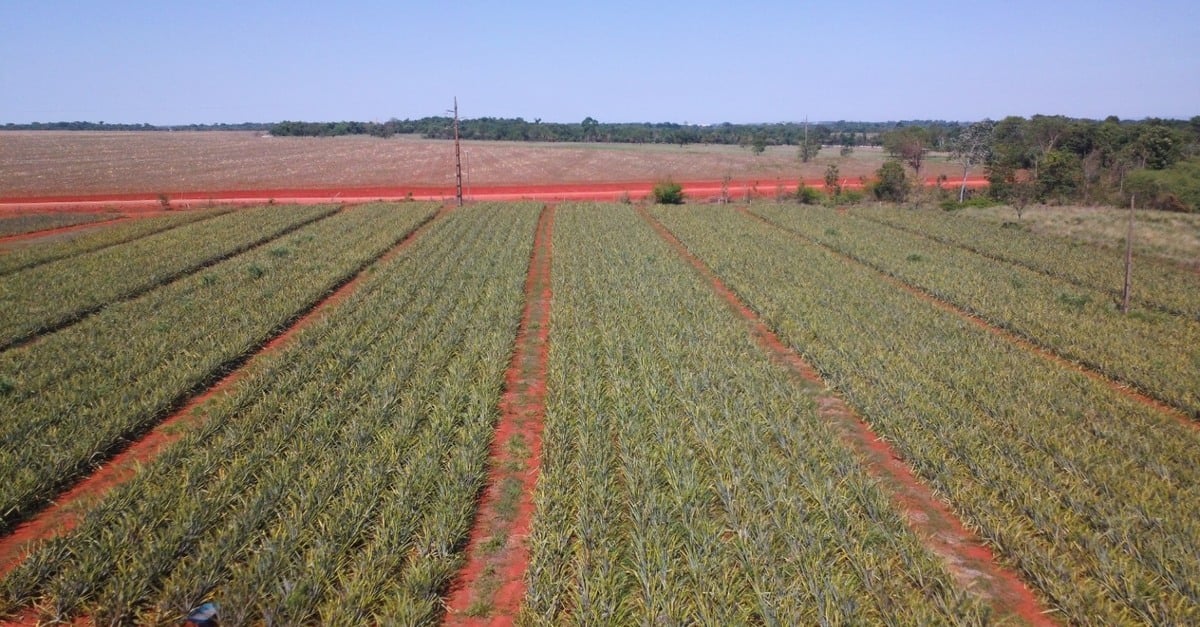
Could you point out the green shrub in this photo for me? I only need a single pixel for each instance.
(980, 202)
(668, 192)
(808, 195)
(1176, 188)
(851, 197)
(892, 184)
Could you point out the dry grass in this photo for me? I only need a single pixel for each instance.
(1175, 236)
(36, 163)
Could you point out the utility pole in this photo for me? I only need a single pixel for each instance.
(1125, 292)
(457, 158)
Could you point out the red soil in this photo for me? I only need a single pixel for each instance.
(968, 558)
(494, 576)
(63, 514)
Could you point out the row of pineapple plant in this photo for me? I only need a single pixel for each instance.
(1159, 284)
(1090, 494)
(1154, 352)
(30, 254)
(73, 397)
(45, 297)
(688, 479)
(33, 222)
(336, 484)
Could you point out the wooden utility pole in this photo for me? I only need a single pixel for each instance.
(457, 159)
(1125, 292)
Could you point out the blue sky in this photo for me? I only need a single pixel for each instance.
(168, 62)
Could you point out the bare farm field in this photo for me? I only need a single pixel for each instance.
(49, 163)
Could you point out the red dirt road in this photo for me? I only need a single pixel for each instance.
(967, 557)
(695, 190)
(491, 586)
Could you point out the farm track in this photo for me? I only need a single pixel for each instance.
(1124, 388)
(40, 233)
(1005, 259)
(966, 556)
(79, 315)
(493, 576)
(139, 448)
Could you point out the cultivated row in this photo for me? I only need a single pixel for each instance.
(1089, 493)
(1158, 283)
(1154, 352)
(688, 479)
(30, 223)
(73, 398)
(47, 296)
(337, 482)
(24, 256)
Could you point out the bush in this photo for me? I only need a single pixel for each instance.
(668, 193)
(808, 195)
(1176, 188)
(892, 184)
(978, 202)
(850, 197)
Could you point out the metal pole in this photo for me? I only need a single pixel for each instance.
(457, 159)
(1128, 260)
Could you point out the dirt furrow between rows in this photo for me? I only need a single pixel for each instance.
(491, 585)
(967, 557)
(82, 314)
(1126, 389)
(62, 515)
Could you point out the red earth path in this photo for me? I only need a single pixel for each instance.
(63, 515)
(491, 586)
(967, 557)
(696, 190)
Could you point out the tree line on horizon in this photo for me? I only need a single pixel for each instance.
(1056, 159)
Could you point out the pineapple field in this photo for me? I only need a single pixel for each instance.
(593, 413)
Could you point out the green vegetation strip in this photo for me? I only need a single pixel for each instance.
(1089, 493)
(1156, 353)
(687, 479)
(73, 399)
(1158, 284)
(336, 484)
(28, 255)
(51, 296)
(31, 223)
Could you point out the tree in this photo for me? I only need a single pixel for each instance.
(832, 186)
(971, 148)
(1061, 175)
(1045, 132)
(758, 144)
(909, 144)
(590, 127)
(892, 184)
(1157, 147)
